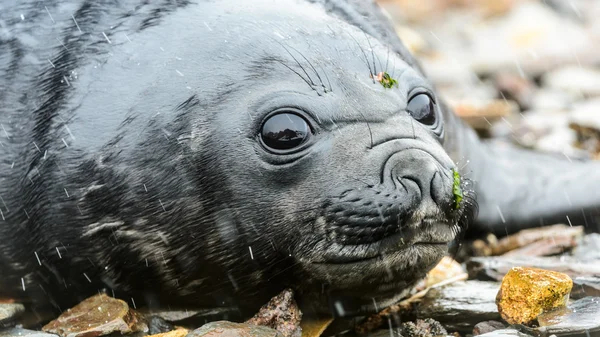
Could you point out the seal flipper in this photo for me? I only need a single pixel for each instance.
(519, 189)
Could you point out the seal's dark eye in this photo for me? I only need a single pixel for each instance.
(422, 108)
(285, 131)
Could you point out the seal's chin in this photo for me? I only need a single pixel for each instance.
(362, 278)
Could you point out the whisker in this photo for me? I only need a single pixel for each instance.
(372, 54)
(365, 55)
(312, 83)
(368, 127)
(310, 64)
(387, 59)
(295, 72)
(327, 78)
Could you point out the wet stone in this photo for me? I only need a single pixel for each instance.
(581, 317)
(175, 333)
(96, 316)
(423, 328)
(280, 313)
(575, 79)
(588, 248)
(547, 241)
(461, 305)
(157, 325)
(230, 329)
(16, 332)
(585, 286)
(487, 326)
(9, 312)
(494, 268)
(526, 293)
(505, 333)
(446, 269)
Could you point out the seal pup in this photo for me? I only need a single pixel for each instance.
(212, 153)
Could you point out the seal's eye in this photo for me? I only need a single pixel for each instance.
(422, 108)
(285, 131)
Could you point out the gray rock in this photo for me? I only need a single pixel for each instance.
(230, 329)
(496, 267)
(577, 80)
(461, 305)
(16, 332)
(10, 312)
(505, 333)
(552, 100)
(486, 327)
(584, 286)
(580, 318)
(589, 248)
(586, 114)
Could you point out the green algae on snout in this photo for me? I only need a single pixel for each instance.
(456, 190)
(386, 80)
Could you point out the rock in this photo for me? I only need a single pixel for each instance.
(541, 241)
(157, 325)
(423, 328)
(588, 249)
(552, 100)
(578, 80)
(505, 333)
(96, 316)
(315, 327)
(526, 293)
(581, 317)
(230, 329)
(17, 332)
(487, 326)
(9, 312)
(584, 286)
(481, 115)
(587, 114)
(585, 121)
(181, 332)
(494, 268)
(280, 313)
(446, 269)
(516, 88)
(461, 305)
(524, 41)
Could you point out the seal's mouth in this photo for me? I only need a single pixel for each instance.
(429, 232)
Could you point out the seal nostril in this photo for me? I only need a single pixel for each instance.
(437, 188)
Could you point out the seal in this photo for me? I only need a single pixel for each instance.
(213, 153)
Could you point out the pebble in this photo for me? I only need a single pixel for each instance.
(280, 313)
(526, 293)
(10, 312)
(96, 316)
(17, 332)
(230, 329)
(461, 305)
(574, 79)
(487, 326)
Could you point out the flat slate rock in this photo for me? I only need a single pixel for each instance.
(580, 318)
(461, 305)
(9, 312)
(16, 332)
(505, 333)
(496, 267)
(230, 329)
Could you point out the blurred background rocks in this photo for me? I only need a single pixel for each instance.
(525, 72)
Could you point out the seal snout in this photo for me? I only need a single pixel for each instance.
(427, 177)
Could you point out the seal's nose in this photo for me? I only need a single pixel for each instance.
(416, 169)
